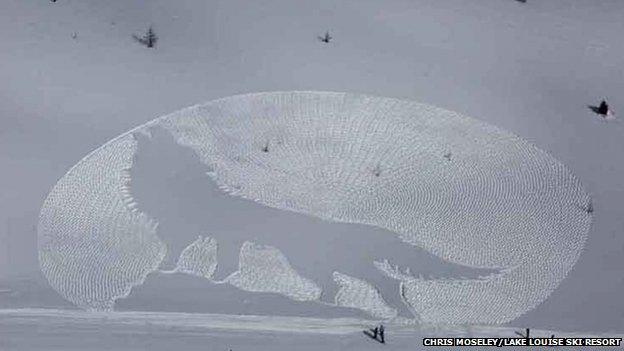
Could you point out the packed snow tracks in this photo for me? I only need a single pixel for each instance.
(463, 190)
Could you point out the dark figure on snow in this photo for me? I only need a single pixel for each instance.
(527, 335)
(603, 109)
(377, 334)
(325, 39)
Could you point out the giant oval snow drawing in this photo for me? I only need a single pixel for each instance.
(461, 189)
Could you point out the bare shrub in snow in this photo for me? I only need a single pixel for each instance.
(149, 39)
(590, 207)
(377, 170)
(326, 38)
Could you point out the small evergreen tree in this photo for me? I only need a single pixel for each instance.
(149, 39)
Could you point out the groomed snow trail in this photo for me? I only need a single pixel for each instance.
(201, 322)
(466, 191)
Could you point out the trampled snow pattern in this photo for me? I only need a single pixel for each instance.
(94, 244)
(199, 258)
(264, 268)
(465, 191)
(357, 293)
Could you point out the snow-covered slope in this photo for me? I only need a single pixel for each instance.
(529, 68)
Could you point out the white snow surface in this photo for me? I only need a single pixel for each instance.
(498, 202)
